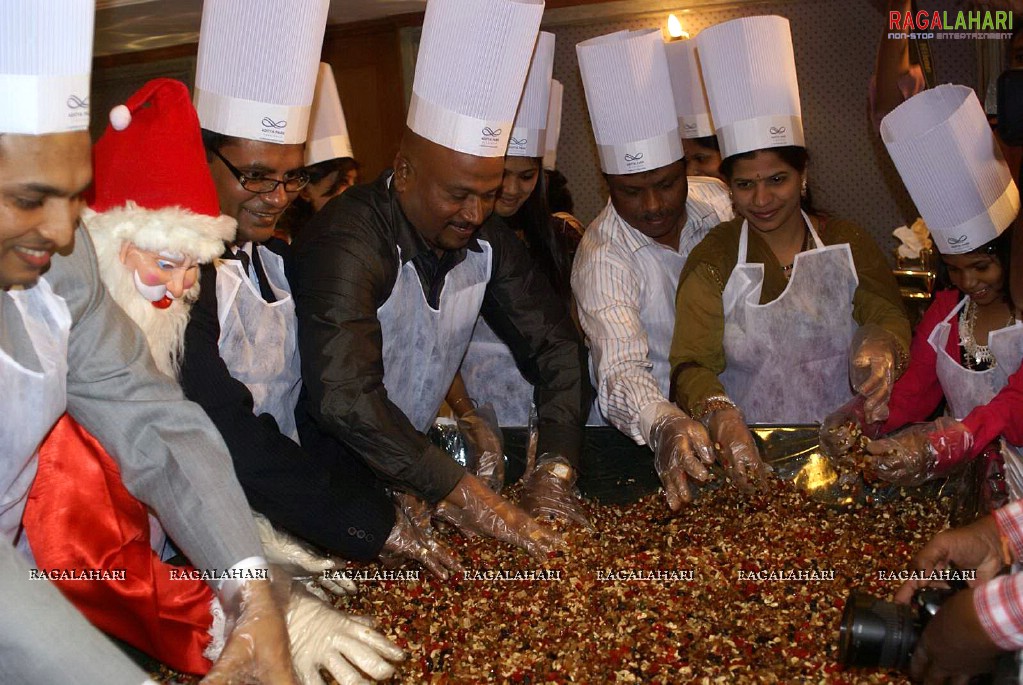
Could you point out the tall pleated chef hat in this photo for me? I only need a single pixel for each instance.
(45, 65)
(694, 120)
(328, 132)
(550, 154)
(257, 65)
(749, 71)
(472, 64)
(530, 127)
(628, 93)
(948, 158)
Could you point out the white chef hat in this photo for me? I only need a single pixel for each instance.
(694, 120)
(257, 65)
(45, 64)
(472, 64)
(628, 93)
(550, 155)
(328, 132)
(943, 147)
(529, 130)
(749, 71)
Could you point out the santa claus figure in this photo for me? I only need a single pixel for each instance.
(154, 218)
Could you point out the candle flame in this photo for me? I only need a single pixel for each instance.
(675, 28)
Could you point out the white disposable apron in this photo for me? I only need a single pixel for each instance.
(787, 360)
(491, 375)
(422, 346)
(966, 389)
(258, 339)
(32, 400)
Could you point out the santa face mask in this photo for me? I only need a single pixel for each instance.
(160, 277)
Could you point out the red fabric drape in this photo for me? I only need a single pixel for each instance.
(79, 516)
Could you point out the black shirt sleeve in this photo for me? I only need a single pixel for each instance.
(523, 309)
(281, 480)
(346, 266)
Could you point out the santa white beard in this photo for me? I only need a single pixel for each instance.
(164, 328)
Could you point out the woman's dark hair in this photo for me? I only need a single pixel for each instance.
(559, 199)
(795, 156)
(301, 210)
(708, 141)
(1000, 248)
(321, 170)
(535, 221)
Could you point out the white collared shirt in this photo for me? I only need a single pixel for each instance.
(616, 290)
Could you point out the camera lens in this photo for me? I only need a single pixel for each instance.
(876, 634)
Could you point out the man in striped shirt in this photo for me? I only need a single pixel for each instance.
(628, 264)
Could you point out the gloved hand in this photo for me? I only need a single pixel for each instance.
(341, 644)
(843, 427)
(681, 447)
(918, 453)
(873, 357)
(484, 445)
(483, 510)
(300, 561)
(415, 540)
(257, 648)
(736, 449)
(549, 491)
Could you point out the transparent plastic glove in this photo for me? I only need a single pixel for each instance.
(484, 445)
(843, 427)
(921, 452)
(736, 449)
(487, 512)
(341, 644)
(550, 492)
(873, 356)
(257, 649)
(407, 541)
(298, 560)
(682, 449)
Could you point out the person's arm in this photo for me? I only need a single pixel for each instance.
(521, 307)
(895, 80)
(697, 347)
(877, 299)
(1001, 417)
(918, 392)
(43, 639)
(607, 292)
(345, 270)
(170, 455)
(287, 483)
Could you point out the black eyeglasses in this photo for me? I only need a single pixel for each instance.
(293, 181)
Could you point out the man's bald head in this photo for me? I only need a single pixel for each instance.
(445, 194)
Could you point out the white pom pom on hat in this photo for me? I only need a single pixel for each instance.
(120, 117)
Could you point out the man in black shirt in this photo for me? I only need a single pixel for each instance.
(391, 277)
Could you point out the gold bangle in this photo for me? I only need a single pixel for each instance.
(461, 400)
(711, 405)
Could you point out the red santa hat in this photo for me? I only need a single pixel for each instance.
(151, 182)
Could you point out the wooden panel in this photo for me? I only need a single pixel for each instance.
(367, 67)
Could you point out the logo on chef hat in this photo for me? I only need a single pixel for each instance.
(490, 137)
(77, 107)
(273, 129)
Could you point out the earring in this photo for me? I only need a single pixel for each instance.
(803, 191)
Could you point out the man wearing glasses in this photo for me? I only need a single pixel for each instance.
(241, 362)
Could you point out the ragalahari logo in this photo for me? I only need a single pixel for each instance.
(944, 24)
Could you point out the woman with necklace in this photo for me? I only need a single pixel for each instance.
(969, 344)
(771, 305)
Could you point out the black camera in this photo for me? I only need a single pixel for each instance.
(879, 634)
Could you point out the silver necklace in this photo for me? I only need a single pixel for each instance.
(976, 355)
